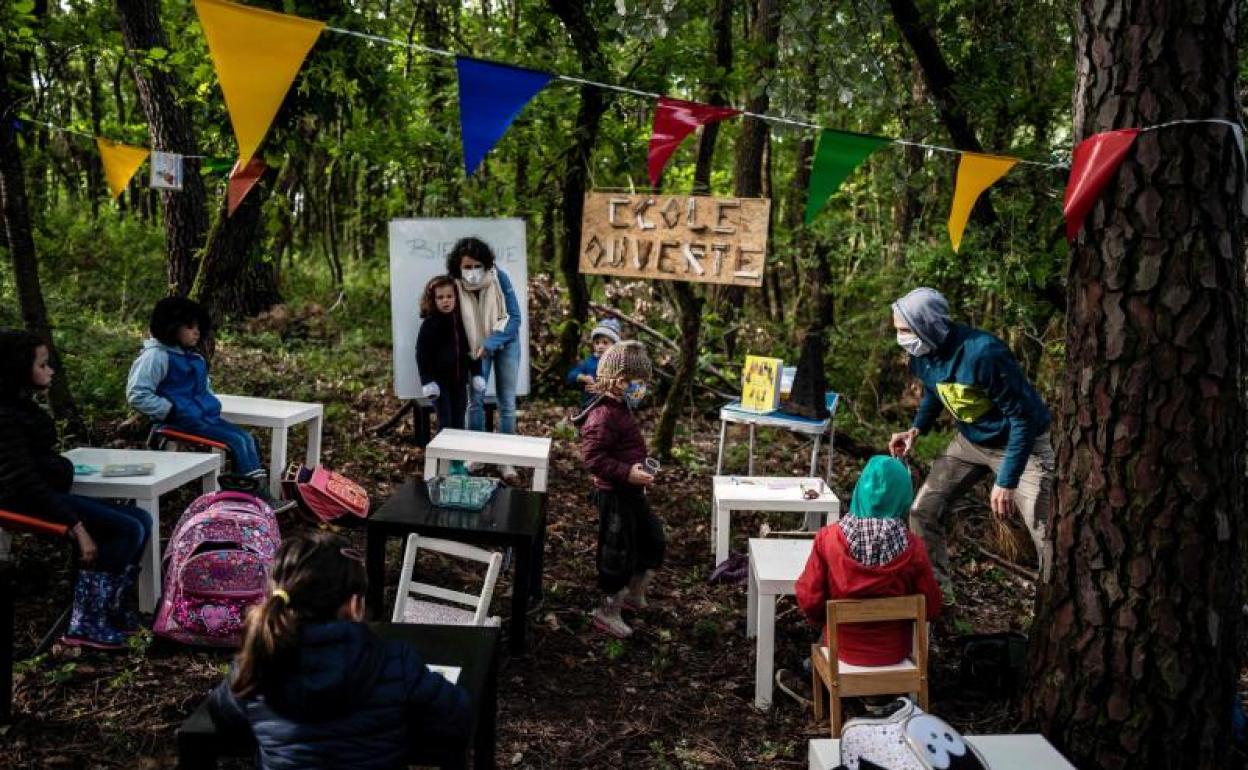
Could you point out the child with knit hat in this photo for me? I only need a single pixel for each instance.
(584, 376)
(630, 536)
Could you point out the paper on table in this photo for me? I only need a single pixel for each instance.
(449, 673)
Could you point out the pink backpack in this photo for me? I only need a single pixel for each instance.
(325, 493)
(216, 567)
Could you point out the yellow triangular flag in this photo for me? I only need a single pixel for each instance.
(120, 162)
(257, 54)
(976, 173)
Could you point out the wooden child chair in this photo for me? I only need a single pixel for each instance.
(845, 680)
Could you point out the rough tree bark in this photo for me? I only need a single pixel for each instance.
(748, 169)
(575, 16)
(186, 210)
(1134, 659)
(20, 242)
(233, 280)
(689, 300)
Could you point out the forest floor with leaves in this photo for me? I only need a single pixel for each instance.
(677, 694)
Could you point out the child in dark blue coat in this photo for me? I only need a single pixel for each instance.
(443, 358)
(315, 686)
(584, 376)
(169, 383)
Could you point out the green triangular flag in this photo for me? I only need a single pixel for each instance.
(838, 153)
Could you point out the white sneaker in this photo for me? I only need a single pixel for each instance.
(612, 625)
(509, 473)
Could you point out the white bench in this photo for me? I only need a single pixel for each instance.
(767, 493)
(279, 417)
(491, 448)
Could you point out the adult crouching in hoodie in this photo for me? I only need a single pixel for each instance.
(870, 555)
(313, 683)
(1002, 422)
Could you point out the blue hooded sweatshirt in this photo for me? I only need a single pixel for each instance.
(976, 377)
(166, 377)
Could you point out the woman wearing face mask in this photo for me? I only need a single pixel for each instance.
(491, 315)
(1002, 422)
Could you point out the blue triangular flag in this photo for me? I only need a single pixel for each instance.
(490, 97)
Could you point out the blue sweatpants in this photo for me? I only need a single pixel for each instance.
(242, 445)
(120, 531)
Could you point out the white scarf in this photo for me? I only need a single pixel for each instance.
(483, 308)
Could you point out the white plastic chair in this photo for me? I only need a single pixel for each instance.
(409, 609)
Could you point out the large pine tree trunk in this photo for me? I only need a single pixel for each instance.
(1134, 658)
(185, 210)
(20, 242)
(575, 15)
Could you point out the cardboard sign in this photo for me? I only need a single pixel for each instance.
(760, 384)
(675, 237)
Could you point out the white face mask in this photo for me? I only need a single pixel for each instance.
(474, 276)
(913, 344)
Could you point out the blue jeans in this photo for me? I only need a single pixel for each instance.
(120, 531)
(506, 365)
(242, 445)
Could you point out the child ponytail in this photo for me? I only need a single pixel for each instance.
(313, 576)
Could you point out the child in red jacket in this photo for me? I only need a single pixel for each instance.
(630, 537)
(870, 555)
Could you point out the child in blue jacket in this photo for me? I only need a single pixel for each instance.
(169, 383)
(315, 685)
(584, 376)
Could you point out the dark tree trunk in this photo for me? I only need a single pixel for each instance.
(575, 15)
(21, 244)
(233, 279)
(1134, 661)
(689, 299)
(185, 210)
(748, 168)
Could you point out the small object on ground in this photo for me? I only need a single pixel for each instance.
(735, 569)
(786, 683)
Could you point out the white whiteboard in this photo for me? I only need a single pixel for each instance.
(418, 249)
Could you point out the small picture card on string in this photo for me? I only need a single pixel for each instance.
(166, 171)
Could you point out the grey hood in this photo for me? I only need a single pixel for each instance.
(926, 312)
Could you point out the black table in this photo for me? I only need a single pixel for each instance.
(514, 518)
(472, 648)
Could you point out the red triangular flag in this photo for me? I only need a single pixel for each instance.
(1096, 160)
(242, 179)
(674, 119)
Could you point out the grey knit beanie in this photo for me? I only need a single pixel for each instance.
(625, 361)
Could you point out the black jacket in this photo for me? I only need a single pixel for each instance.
(33, 474)
(442, 353)
(349, 699)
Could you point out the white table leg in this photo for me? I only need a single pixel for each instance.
(719, 460)
(149, 578)
(814, 457)
(539, 479)
(277, 460)
(751, 605)
(813, 522)
(209, 482)
(764, 666)
(431, 465)
(722, 515)
(751, 449)
(313, 456)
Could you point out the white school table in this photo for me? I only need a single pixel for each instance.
(1029, 751)
(767, 493)
(279, 417)
(491, 448)
(173, 469)
(734, 413)
(775, 566)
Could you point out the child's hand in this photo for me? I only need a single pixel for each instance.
(86, 546)
(432, 390)
(638, 477)
(478, 384)
(478, 354)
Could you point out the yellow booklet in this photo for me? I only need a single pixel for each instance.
(760, 384)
